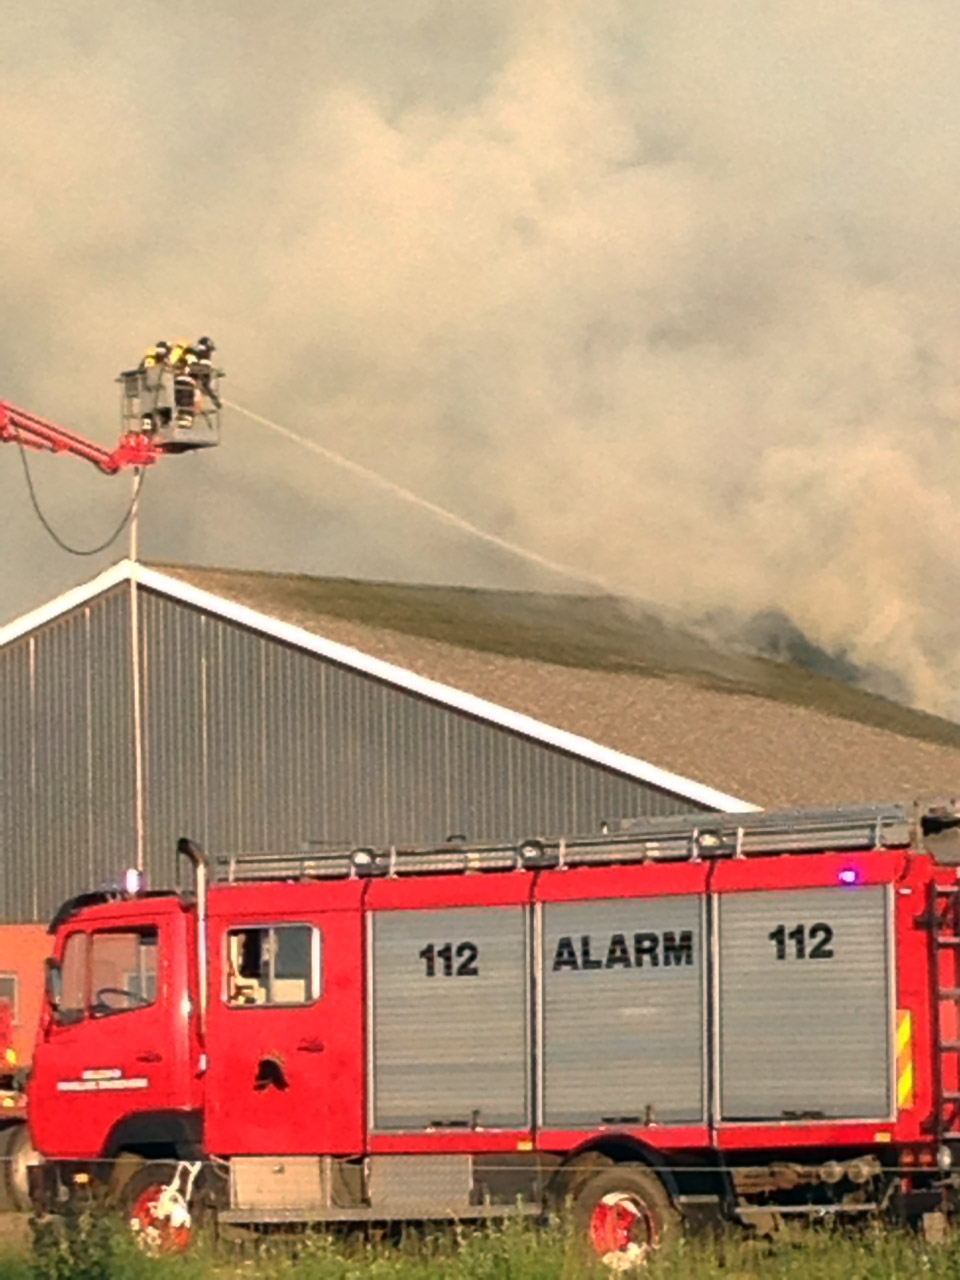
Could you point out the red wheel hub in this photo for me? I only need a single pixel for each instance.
(622, 1223)
(153, 1233)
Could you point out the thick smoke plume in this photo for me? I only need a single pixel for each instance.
(665, 291)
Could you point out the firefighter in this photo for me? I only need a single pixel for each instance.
(183, 360)
(155, 361)
(204, 372)
(158, 354)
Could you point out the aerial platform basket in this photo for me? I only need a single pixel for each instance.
(178, 414)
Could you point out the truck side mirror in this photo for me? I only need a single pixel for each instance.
(53, 983)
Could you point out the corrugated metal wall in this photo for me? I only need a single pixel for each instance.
(252, 745)
(67, 819)
(248, 744)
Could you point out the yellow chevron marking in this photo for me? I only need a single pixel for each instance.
(904, 1060)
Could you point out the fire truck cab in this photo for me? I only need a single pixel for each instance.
(749, 1016)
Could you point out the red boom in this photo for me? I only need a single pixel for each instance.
(135, 449)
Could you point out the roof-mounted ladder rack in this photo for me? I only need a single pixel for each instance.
(674, 839)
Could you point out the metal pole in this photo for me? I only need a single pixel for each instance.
(135, 516)
(201, 868)
(135, 676)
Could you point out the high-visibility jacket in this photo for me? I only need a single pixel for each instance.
(182, 355)
(154, 355)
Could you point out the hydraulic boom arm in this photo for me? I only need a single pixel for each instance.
(135, 448)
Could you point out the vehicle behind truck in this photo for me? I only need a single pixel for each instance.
(745, 1017)
(16, 1152)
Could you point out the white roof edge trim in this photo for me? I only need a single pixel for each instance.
(401, 678)
(71, 599)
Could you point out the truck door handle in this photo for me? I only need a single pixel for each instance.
(149, 1057)
(310, 1046)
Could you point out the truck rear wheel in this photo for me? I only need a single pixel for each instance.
(625, 1214)
(576, 1173)
(156, 1228)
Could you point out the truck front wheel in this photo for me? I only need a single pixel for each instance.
(160, 1221)
(17, 1154)
(625, 1214)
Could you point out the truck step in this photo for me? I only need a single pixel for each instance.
(379, 1213)
(948, 940)
(950, 1095)
(746, 1212)
(949, 993)
(950, 1046)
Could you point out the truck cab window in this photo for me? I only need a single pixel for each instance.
(273, 965)
(123, 971)
(73, 970)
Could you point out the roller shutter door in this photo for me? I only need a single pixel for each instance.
(805, 1005)
(450, 1018)
(623, 1033)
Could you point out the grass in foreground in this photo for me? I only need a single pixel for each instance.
(96, 1251)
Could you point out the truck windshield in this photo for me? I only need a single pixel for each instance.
(123, 971)
(106, 973)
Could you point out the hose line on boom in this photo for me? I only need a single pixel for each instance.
(65, 546)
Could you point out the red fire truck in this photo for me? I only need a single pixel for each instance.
(750, 1015)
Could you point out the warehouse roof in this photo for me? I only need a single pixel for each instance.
(315, 640)
(584, 670)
